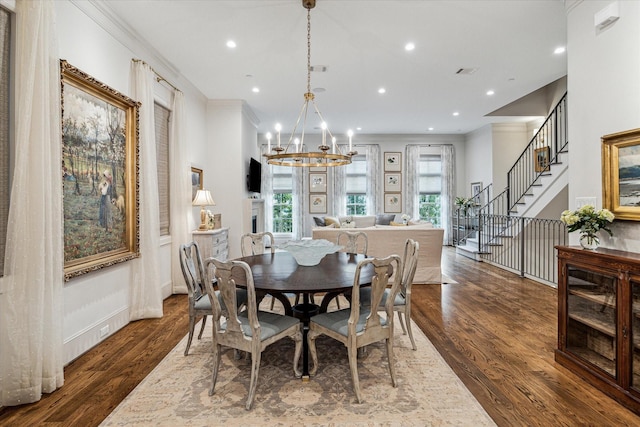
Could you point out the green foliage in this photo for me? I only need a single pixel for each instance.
(283, 213)
(430, 208)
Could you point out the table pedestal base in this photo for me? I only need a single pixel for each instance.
(304, 312)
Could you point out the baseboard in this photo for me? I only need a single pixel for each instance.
(91, 336)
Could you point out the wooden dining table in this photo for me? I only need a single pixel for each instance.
(278, 274)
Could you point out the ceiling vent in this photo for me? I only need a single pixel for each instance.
(319, 68)
(466, 70)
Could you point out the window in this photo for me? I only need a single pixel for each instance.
(356, 186)
(162, 117)
(282, 199)
(429, 188)
(5, 48)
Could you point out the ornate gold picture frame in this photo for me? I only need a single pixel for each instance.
(621, 174)
(100, 173)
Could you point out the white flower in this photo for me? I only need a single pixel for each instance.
(406, 217)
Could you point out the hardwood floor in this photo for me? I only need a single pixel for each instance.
(496, 330)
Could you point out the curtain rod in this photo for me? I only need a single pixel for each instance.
(159, 78)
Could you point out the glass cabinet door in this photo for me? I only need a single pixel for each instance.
(635, 334)
(591, 318)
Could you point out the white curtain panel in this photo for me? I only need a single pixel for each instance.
(266, 191)
(411, 179)
(339, 195)
(180, 190)
(298, 202)
(372, 153)
(145, 293)
(31, 359)
(448, 189)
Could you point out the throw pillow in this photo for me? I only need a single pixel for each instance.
(328, 220)
(384, 219)
(319, 221)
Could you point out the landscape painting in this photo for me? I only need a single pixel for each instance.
(621, 174)
(629, 175)
(99, 171)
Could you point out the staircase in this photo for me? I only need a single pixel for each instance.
(535, 179)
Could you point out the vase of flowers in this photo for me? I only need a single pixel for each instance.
(405, 219)
(589, 222)
(463, 204)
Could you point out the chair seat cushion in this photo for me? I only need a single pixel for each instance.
(203, 303)
(337, 321)
(365, 298)
(270, 324)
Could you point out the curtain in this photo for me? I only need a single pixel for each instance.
(267, 192)
(412, 180)
(448, 190)
(372, 154)
(180, 190)
(338, 204)
(145, 293)
(31, 355)
(298, 202)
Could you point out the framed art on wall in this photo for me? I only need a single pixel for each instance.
(196, 181)
(541, 158)
(393, 202)
(317, 183)
(621, 174)
(392, 182)
(317, 203)
(392, 162)
(100, 173)
(476, 190)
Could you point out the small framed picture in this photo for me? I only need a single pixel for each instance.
(392, 182)
(476, 189)
(317, 183)
(196, 181)
(317, 203)
(393, 202)
(541, 158)
(392, 162)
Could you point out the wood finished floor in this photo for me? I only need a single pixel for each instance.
(497, 331)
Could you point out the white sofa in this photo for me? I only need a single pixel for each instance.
(384, 240)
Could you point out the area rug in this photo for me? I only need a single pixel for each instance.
(175, 393)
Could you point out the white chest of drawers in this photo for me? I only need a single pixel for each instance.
(213, 243)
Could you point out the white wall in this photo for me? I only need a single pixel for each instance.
(95, 45)
(604, 96)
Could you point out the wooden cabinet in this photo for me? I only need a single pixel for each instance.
(213, 243)
(599, 319)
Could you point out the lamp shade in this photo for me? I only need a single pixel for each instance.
(203, 198)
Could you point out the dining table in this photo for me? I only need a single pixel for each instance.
(278, 274)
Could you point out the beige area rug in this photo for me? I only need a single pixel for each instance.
(175, 393)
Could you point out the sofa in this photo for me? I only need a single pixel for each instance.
(384, 240)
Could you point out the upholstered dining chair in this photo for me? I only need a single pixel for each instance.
(402, 301)
(252, 330)
(254, 244)
(354, 242)
(194, 276)
(359, 326)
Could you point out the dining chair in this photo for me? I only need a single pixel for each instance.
(254, 244)
(356, 242)
(194, 276)
(402, 301)
(251, 330)
(358, 326)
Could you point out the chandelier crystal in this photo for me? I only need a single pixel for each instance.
(293, 154)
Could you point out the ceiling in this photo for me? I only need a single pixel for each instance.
(510, 44)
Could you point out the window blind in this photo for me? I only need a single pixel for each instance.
(162, 117)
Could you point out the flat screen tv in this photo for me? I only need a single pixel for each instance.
(255, 176)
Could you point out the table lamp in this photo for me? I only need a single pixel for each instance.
(203, 198)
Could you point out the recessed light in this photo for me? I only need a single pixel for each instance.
(409, 47)
(430, 129)
(455, 113)
(559, 50)
(255, 89)
(231, 44)
(382, 90)
(490, 92)
(358, 128)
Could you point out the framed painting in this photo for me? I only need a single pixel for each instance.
(393, 202)
(541, 159)
(317, 203)
(476, 193)
(100, 173)
(392, 182)
(621, 174)
(196, 181)
(317, 183)
(392, 162)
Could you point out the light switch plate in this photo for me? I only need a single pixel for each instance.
(581, 201)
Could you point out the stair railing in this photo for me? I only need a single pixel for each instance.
(542, 151)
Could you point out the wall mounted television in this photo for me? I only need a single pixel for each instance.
(254, 179)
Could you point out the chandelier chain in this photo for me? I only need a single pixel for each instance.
(309, 50)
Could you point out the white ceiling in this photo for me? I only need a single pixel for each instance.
(510, 42)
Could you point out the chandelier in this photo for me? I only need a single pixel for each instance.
(293, 154)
